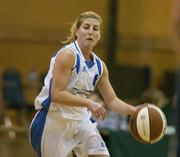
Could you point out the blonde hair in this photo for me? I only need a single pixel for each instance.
(88, 14)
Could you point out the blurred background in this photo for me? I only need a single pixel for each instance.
(136, 44)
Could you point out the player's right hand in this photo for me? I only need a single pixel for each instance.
(97, 110)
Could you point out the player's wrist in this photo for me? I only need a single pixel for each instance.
(88, 103)
(130, 109)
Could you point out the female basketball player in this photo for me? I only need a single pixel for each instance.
(63, 123)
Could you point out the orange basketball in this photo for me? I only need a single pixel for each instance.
(147, 124)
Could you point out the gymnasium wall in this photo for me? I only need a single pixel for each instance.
(145, 36)
(31, 32)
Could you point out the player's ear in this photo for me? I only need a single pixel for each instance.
(100, 34)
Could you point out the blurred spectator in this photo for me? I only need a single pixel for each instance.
(155, 96)
(32, 78)
(13, 100)
(12, 90)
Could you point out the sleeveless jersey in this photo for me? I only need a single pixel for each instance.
(82, 82)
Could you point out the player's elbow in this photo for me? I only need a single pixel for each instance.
(53, 98)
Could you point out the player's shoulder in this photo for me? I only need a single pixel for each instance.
(98, 59)
(66, 57)
(103, 64)
(66, 53)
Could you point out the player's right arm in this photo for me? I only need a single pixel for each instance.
(61, 74)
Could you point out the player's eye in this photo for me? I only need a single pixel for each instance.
(95, 28)
(86, 27)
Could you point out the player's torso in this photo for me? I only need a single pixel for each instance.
(83, 79)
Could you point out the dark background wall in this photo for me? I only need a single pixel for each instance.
(31, 32)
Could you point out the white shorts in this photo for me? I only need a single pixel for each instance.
(58, 136)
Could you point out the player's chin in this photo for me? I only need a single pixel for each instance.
(91, 43)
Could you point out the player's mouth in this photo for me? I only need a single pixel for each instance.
(90, 39)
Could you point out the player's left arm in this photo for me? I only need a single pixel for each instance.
(110, 98)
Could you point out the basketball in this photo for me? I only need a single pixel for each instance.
(147, 124)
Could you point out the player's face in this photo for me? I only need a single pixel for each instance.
(89, 32)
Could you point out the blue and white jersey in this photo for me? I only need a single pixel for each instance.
(82, 82)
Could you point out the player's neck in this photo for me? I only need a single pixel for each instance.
(86, 51)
